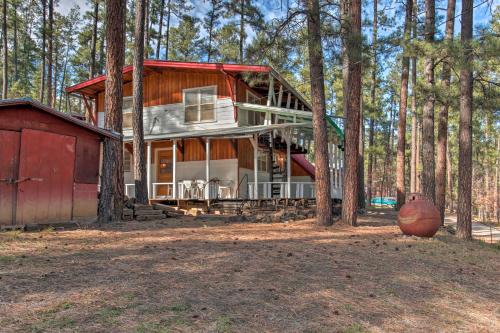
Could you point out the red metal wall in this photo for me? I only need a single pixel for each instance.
(65, 155)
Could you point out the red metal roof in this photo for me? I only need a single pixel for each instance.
(37, 105)
(150, 64)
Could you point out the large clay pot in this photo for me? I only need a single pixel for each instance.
(419, 217)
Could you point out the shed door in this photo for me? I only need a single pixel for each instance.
(45, 182)
(9, 161)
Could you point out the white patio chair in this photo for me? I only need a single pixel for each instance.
(200, 188)
(225, 189)
(187, 188)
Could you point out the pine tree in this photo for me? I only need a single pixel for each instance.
(428, 172)
(443, 117)
(322, 172)
(350, 184)
(464, 209)
(140, 181)
(400, 158)
(111, 199)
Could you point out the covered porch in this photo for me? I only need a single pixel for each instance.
(254, 162)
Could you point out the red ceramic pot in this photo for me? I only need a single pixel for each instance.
(419, 217)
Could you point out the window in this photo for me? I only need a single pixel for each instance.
(127, 112)
(262, 161)
(199, 104)
(127, 161)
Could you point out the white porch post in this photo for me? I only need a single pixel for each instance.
(174, 169)
(289, 100)
(207, 168)
(148, 168)
(288, 165)
(255, 144)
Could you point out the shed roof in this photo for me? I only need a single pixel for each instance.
(28, 102)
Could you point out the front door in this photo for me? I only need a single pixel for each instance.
(164, 169)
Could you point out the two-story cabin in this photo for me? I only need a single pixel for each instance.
(219, 131)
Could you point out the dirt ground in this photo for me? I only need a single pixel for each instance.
(207, 275)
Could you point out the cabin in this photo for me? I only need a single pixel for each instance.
(49, 165)
(219, 131)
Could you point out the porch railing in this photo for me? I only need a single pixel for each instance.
(269, 190)
(167, 190)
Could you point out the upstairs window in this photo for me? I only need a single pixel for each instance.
(199, 104)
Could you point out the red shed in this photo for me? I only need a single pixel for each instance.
(49, 164)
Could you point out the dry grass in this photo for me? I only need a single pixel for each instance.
(209, 276)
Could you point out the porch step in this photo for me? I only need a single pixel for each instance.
(138, 207)
(150, 217)
(148, 212)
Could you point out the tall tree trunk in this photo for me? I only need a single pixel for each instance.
(350, 186)
(63, 79)
(373, 91)
(16, 61)
(5, 67)
(449, 180)
(242, 28)
(146, 28)
(418, 157)
(414, 119)
(464, 212)
(323, 196)
(160, 27)
(443, 119)
(428, 170)
(93, 47)
(403, 102)
(497, 179)
(41, 95)
(210, 33)
(50, 52)
(167, 39)
(141, 186)
(111, 198)
(361, 161)
(464, 207)
(56, 73)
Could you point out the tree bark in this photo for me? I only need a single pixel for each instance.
(160, 27)
(41, 95)
(141, 186)
(449, 180)
(373, 91)
(361, 160)
(92, 71)
(414, 119)
(50, 52)
(167, 39)
(146, 28)
(242, 29)
(210, 32)
(350, 186)
(464, 207)
(111, 197)
(323, 196)
(428, 170)
(403, 102)
(443, 119)
(16, 61)
(5, 67)
(497, 179)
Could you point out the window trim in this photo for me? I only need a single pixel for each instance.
(199, 104)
